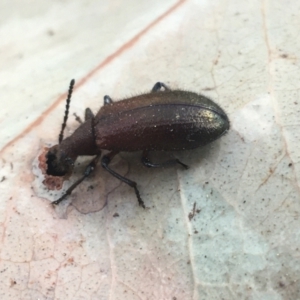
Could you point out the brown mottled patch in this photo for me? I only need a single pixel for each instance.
(51, 182)
(12, 282)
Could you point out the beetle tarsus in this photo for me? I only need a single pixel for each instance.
(146, 162)
(158, 86)
(141, 202)
(181, 163)
(88, 114)
(60, 199)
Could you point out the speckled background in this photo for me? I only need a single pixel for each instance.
(227, 228)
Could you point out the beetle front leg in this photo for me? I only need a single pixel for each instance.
(158, 86)
(146, 162)
(107, 100)
(106, 159)
(87, 115)
(89, 169)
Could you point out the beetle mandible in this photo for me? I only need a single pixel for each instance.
(161, 120)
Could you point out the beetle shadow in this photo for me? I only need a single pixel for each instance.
(93, 194)
(156, 185)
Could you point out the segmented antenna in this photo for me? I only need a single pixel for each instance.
(63, 126)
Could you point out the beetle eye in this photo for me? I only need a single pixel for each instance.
(55, 168)
(69, 161)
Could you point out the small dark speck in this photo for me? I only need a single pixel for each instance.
(91, 187)
(208, 89)
(192, 213)
(3, 178)
(281, 284)
(290, 164)
(50, 32)
(295, 103)
(115, 215)
(284, 56)
(174, 298)
(12, 282)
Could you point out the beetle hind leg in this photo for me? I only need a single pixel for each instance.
(146, 162)
(106, 159)
(158, 86)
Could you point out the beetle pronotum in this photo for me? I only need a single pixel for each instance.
(156, 121)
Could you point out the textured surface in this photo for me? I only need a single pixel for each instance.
(227, 228)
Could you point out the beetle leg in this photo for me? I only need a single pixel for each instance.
(107, 100)
(89, 169)
(106, 159)
(146, 162)
(158, 85)
(88, 114)
(77, 118)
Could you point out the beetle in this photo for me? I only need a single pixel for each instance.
(161, 120)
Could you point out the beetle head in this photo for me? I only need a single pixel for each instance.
(58, 162)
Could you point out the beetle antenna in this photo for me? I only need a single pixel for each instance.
(63, 126)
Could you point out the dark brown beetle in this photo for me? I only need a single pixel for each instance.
(156, 121)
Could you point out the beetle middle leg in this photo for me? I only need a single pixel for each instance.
(146, 162)
(89, 169)
(106, 159)
(158, 86)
